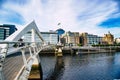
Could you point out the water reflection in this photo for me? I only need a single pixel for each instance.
(104, 66)
(59, 68)
(116, 66)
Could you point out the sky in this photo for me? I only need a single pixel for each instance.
(92, 16)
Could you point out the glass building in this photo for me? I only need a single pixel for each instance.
(6, 30)
(49, 37)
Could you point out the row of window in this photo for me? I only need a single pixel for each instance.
(49, 38)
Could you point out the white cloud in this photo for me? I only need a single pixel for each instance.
(74, 15)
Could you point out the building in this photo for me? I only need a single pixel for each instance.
(71, 38)
(89, 39)
(108, 38)
(117, 40)
(6, 30)
(60, 32)
(49, 37)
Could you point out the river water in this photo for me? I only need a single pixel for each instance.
(102, 66)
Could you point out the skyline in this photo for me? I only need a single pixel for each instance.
(96, 17)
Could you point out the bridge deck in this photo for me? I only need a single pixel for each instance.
(12, 65)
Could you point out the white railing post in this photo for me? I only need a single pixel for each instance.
(23, 56)
(34, 50)
(27, 66)
(30, 51)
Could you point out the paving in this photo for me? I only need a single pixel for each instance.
(12, 65)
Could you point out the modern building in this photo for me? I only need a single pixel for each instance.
(71, 38)
(6, 30)
(108, 38)
(49, 37)
(90, 39)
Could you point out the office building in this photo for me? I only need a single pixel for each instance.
(49, 37)
(6, 30)
(71, 38)
(90, 39)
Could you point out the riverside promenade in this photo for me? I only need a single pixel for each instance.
(83, 50)
(90, 49)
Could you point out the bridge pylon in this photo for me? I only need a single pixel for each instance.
(58, 50)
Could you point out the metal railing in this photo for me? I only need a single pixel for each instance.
(30, 48)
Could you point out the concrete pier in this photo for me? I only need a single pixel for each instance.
(58, 52)
(35, 71)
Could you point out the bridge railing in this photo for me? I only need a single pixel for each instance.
(13, 44)
(29, 51)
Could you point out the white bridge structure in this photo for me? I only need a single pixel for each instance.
(17, 57)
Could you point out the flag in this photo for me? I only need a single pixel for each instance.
(59, 23)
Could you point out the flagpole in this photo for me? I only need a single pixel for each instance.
(59, 42)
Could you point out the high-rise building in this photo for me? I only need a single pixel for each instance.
(6, 30)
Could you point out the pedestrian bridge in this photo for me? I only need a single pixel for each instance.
(17, 56)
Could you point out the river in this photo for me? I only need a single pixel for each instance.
(102, 66)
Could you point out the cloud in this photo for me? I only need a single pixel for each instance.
(74, 15)
(118, 2)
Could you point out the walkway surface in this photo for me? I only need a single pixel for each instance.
(12, 65)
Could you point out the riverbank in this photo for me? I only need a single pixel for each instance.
(81, 50)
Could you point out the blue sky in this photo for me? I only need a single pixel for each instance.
(92, 16)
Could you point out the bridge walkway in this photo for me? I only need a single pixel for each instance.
(12, 65)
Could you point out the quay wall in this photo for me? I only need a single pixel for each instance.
(74, 50)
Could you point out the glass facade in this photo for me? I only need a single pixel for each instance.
(90, 39)
(93, 39)
(6, 30)
(1, 34)
(49, 37)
